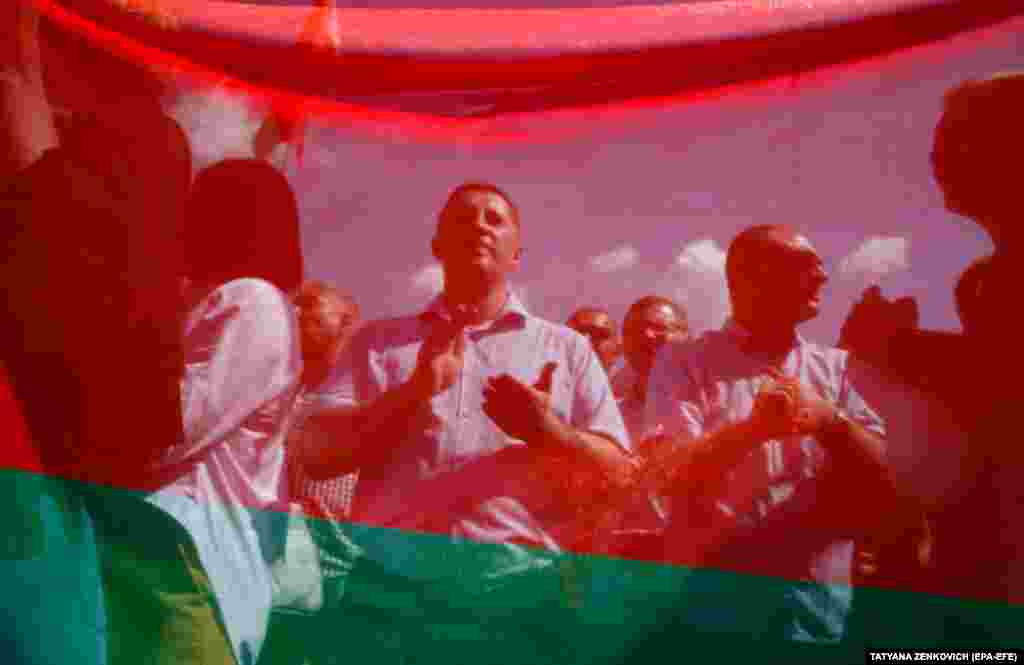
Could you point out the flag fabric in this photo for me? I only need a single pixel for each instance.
(382, 105)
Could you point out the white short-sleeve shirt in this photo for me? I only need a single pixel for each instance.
(242, 369)
(778, 501)
(444, 476)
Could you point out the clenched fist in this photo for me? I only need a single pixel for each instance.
(784, 406)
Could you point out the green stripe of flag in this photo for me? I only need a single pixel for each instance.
(533, 607)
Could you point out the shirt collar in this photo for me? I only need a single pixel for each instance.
(514, 312)
(742, 336)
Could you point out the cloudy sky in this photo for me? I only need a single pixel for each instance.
(638, 199)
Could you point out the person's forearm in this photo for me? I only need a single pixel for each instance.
(709, 457)
(848, 439)
(862, 452)
(897, 516)
(615, 462)
(363, 436)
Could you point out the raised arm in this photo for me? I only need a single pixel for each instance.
(525, 412)
(689, 459)
(363, 434)
(885, 334)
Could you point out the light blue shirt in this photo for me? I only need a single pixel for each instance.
(776, 506)
(445, 476)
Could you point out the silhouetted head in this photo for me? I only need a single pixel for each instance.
(977, 150)
(242, 220)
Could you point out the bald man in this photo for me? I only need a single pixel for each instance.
(650, 323)
(771, 442)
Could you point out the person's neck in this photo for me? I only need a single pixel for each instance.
(639, 388)
(475, 306)
(768, 337)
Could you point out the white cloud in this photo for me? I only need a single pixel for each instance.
(219, 123)
(696, 280)
(704, 255)
(428, 280)
(875, 257)
(620, 258)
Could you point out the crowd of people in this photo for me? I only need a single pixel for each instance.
(198, 418)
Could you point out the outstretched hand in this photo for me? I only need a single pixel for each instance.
(440, 360)
(873, 322)
(523, 411)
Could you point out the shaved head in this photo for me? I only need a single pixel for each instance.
(775, 277)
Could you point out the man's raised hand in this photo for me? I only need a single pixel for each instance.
(521, 411)
(440, 360)
(873, 322)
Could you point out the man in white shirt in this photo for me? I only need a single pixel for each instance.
(650, 323)
(459, 419)
(778, 462)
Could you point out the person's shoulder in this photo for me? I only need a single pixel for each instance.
(559, 337)
(247, 301)
(556, 330)
(251, 292)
